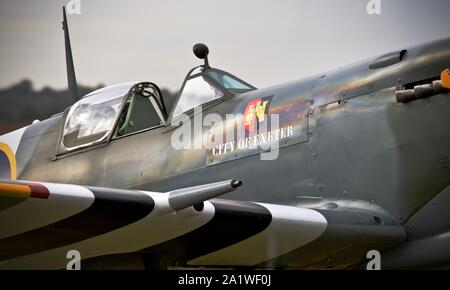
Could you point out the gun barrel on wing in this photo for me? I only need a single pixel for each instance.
(194, 196)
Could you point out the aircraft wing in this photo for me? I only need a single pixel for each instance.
(41, 222)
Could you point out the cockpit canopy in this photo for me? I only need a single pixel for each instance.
(129, 108)
(113, 111)
(204, 86)
(91, 118)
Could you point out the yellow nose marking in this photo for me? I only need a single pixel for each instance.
(14, 190)
(445, 78)
(12, 159)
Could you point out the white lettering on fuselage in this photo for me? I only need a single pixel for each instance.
(253, 142)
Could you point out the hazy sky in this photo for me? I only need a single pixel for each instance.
(263, 42)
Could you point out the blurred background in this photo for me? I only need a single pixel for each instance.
(262, 42)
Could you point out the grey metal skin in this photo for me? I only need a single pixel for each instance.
(369, 164)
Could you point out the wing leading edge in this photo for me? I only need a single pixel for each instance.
(41, 222)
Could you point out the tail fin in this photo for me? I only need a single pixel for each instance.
(71, 78)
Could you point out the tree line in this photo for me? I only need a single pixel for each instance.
(21, 103)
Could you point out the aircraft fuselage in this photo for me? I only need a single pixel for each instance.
(351, 141)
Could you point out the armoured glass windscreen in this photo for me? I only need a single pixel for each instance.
(228, 81)
(91, 120)
(197, 91)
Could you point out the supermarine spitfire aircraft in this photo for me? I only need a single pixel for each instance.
(362, 165)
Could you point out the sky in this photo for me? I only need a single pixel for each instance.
(262, 42)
